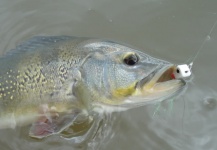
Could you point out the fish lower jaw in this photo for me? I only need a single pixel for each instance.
(106, 108)
(166, 86)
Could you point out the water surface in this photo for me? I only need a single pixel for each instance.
(168, 29)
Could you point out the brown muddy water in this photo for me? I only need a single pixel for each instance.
(169, 29)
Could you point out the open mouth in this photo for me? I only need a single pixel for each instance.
(158, 86)
(161, 81)
(167, 75)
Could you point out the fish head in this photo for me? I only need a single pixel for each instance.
(116, 75)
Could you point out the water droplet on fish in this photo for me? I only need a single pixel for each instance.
(208, 37)
(210, 102)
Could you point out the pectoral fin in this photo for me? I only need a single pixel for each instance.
(52, 123)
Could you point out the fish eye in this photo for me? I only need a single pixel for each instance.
(131, 59)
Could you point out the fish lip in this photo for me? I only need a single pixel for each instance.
(157, 76)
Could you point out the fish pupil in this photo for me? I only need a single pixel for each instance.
(131, 60)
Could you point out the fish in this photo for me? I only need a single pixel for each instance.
(49, 81)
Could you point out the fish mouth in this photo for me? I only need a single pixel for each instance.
(161, 80)
(157, 86)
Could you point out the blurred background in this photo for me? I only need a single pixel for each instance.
(173, 30)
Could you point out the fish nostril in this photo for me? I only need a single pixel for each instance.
(186, 71)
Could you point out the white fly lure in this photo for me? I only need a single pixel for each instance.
(182, 71)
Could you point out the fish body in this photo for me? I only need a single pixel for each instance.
(37, 73)
(61, 74)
